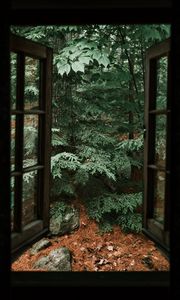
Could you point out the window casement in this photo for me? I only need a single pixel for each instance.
(157, 143)
(31, 71)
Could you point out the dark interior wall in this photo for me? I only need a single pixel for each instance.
(33, 4)
(4, 146)
(94, 11)
(175, 151)
(44, 12)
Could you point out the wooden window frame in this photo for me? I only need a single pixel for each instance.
(24, 47)
(157, 232)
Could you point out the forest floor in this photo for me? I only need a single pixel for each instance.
(115, 251)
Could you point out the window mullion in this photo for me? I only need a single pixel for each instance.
(19, 143)
(168, 154)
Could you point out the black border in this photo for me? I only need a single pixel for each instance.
(89, 16)
(113, 14)
(4, 148)
(175, 154)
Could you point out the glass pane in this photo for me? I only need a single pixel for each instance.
(31, 83)
(29, 205)
(12, 203)
(161, 100)
(159, 196)
(160, 140)
(31, 123)
(13, 69)
(13, 137)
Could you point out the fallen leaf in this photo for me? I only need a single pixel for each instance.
(132, 263)
(152, 249)
(99, 246)
(129, 255)
(83, 224)
(117, 253)
(103, 261)
(110, 248)
(82, 249)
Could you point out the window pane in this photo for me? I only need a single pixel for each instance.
(13, 136)
(31, 83)
(13, 68)
(31, 123)
(160, 140)
(29, 205)
(161, 100)
(159, 196)
(12, 203)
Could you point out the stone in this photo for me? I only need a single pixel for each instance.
(40, 245)
(57, 260)
(62, 224)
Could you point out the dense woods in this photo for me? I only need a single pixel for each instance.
(98, 116)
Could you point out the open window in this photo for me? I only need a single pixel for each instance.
(157, 144)
(30, 139)
(31, 71)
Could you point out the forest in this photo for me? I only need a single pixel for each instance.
(97, 133)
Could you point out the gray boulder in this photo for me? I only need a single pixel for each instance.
(64, 223)
(57, 260)
(40, 245)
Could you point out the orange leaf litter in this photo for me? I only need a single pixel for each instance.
(115, 251)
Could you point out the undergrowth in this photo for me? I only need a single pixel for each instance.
(110, 209)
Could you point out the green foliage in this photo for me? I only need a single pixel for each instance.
(131, 222)
(119, 209)
(62, 161)
(63, 188)
(31, 90)
(57, 140)
(30, 136)
(106, 226)
(99, 163)
(131, 145)
(58, 209)
(98, 105)
(77, 54)
(29, 176)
